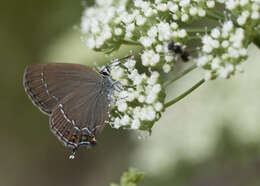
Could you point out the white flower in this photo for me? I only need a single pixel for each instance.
(201, 12)
(184, 17)
(158, 106)
(150, 58)
(125, 120)
(169, 58)
(131, 96)
(147, 41)
(159, 48)
(215, 63)
(148, 12)
(241, 20)
(184, 3)
(202, 61)
(243, 2)
(117, 123)
(208, 75)
(121, 105)
(156, 88)
(230, 53)
(140, 20)
(153, 78)
(152, 32)
(144, 92)
(162, 7)
(193, 11)
(135, 124)
(166, 68)
(117, 73)
(130, 27)
(154, 24)
(182, 33)
(118, 31)
(91, 43)
(174, 25)
(225, 44)
(141, 98)
(255, 15)
(164, 31)
(150, 98)
(227, 26)
(243, 52)
(211, 4)
(215, 33)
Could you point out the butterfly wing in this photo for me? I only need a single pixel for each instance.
(47, 84)
(80, 116)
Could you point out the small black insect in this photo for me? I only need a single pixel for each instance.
(177, 49)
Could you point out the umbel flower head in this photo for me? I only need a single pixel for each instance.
(219, 49)
(140, 103)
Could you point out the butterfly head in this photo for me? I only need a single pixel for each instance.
(105, 71)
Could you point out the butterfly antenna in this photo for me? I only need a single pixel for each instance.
(121, 59)
(73, 153)
(116, 62)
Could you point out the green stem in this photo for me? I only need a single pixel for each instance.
(256, 40)
(183, 95)
(192, 67)
(215, 15)
(218, 13)
(211, 16)
(130, 42)
(195, 30)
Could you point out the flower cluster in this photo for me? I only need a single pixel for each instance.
(225, 47)
(100, 26)
(153, 25)
(150, 24)
(222, 51)
(246, 11)
(140, 104)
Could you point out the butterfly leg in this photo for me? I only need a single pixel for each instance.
(73, 153)
(118, 86)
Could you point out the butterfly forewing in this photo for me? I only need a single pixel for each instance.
(47, 84)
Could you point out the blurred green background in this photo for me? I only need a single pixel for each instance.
(210, 138)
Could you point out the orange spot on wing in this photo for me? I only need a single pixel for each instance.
(73, 137)
(92, 139)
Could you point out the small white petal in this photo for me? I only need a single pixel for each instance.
(166, 68)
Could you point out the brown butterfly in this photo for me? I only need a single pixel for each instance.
(75, 97)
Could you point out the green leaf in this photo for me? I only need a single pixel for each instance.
(130, 178)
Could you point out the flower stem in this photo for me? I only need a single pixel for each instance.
(183, 95)
(256, 40)
(192, 67)
(130, 42)
(218, 13)
(215, 15)
(195, 30)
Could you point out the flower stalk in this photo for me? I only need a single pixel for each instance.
(192, 67)
(183, 95)
(219, 47)
(256, 40)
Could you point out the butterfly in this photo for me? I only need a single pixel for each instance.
(75, 97)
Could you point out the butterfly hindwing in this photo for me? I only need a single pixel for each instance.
(79, 116)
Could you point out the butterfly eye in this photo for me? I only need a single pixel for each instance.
(105, 71)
